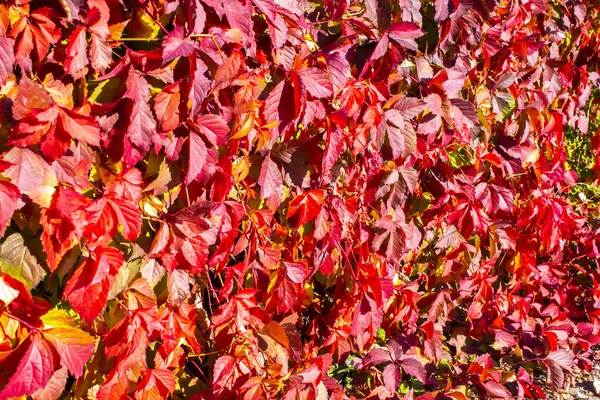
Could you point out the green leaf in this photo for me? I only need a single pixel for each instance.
(17, 261)
(503, 104)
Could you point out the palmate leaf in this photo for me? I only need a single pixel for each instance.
(234, 196)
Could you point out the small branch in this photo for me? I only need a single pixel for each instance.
(208, 35)
(136, 39)
(28, 325)
(157, 22)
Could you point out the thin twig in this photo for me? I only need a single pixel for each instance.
(208, 35)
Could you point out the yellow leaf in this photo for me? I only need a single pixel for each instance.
(116, 30)
(62, 94)
(245, 128)
(240, 169)
(15, 13)
(57, 318)
(74, 346)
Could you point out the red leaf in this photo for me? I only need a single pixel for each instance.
(409, 107)
(129, 217)
(280, 106)
(34, 369)
(100, 53)
(141, 126)
(410, 177)
(558, 361)
(114, 387)
(64, 223)
(166, 106)
(87, 290)
(77, 59)
(270, 178)
(156, 384)
(556, 376)
(223, 371)
(401, 134)
(564, 358)
(296, 271)
(339, 70)
(80, 127)
(376, 357)
(494, 197)
(276, 331)
(31, 97)
(74, 346)
(214, 128)
(316, 82)
(175, 45)
(55, 386)
(9, 195)
(228, 71)
(305, 207)
(199, 85)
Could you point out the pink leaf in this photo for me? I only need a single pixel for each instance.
(7, 58)
(141, 126)
(9, 195)
(214, 128)
(316, 82)
(405, 33)
(413, 367)
(270, 178)
(376, 357)
(33, 370)
(391, 377)
(176, 46)
(197, 157)
(496, 389)
(564, 358)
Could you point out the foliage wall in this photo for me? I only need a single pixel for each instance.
(220, 199)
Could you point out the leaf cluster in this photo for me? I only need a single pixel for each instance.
(297, 199)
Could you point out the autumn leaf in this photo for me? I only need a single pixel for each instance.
(270, 178)
(9, 196)
(31, 174)
(17, 261)
(33, 363)
(87, 290)
(74, 346)
(305, 207)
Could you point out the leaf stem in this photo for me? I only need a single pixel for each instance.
(208, 35)
(133, 39)
(22, 322)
